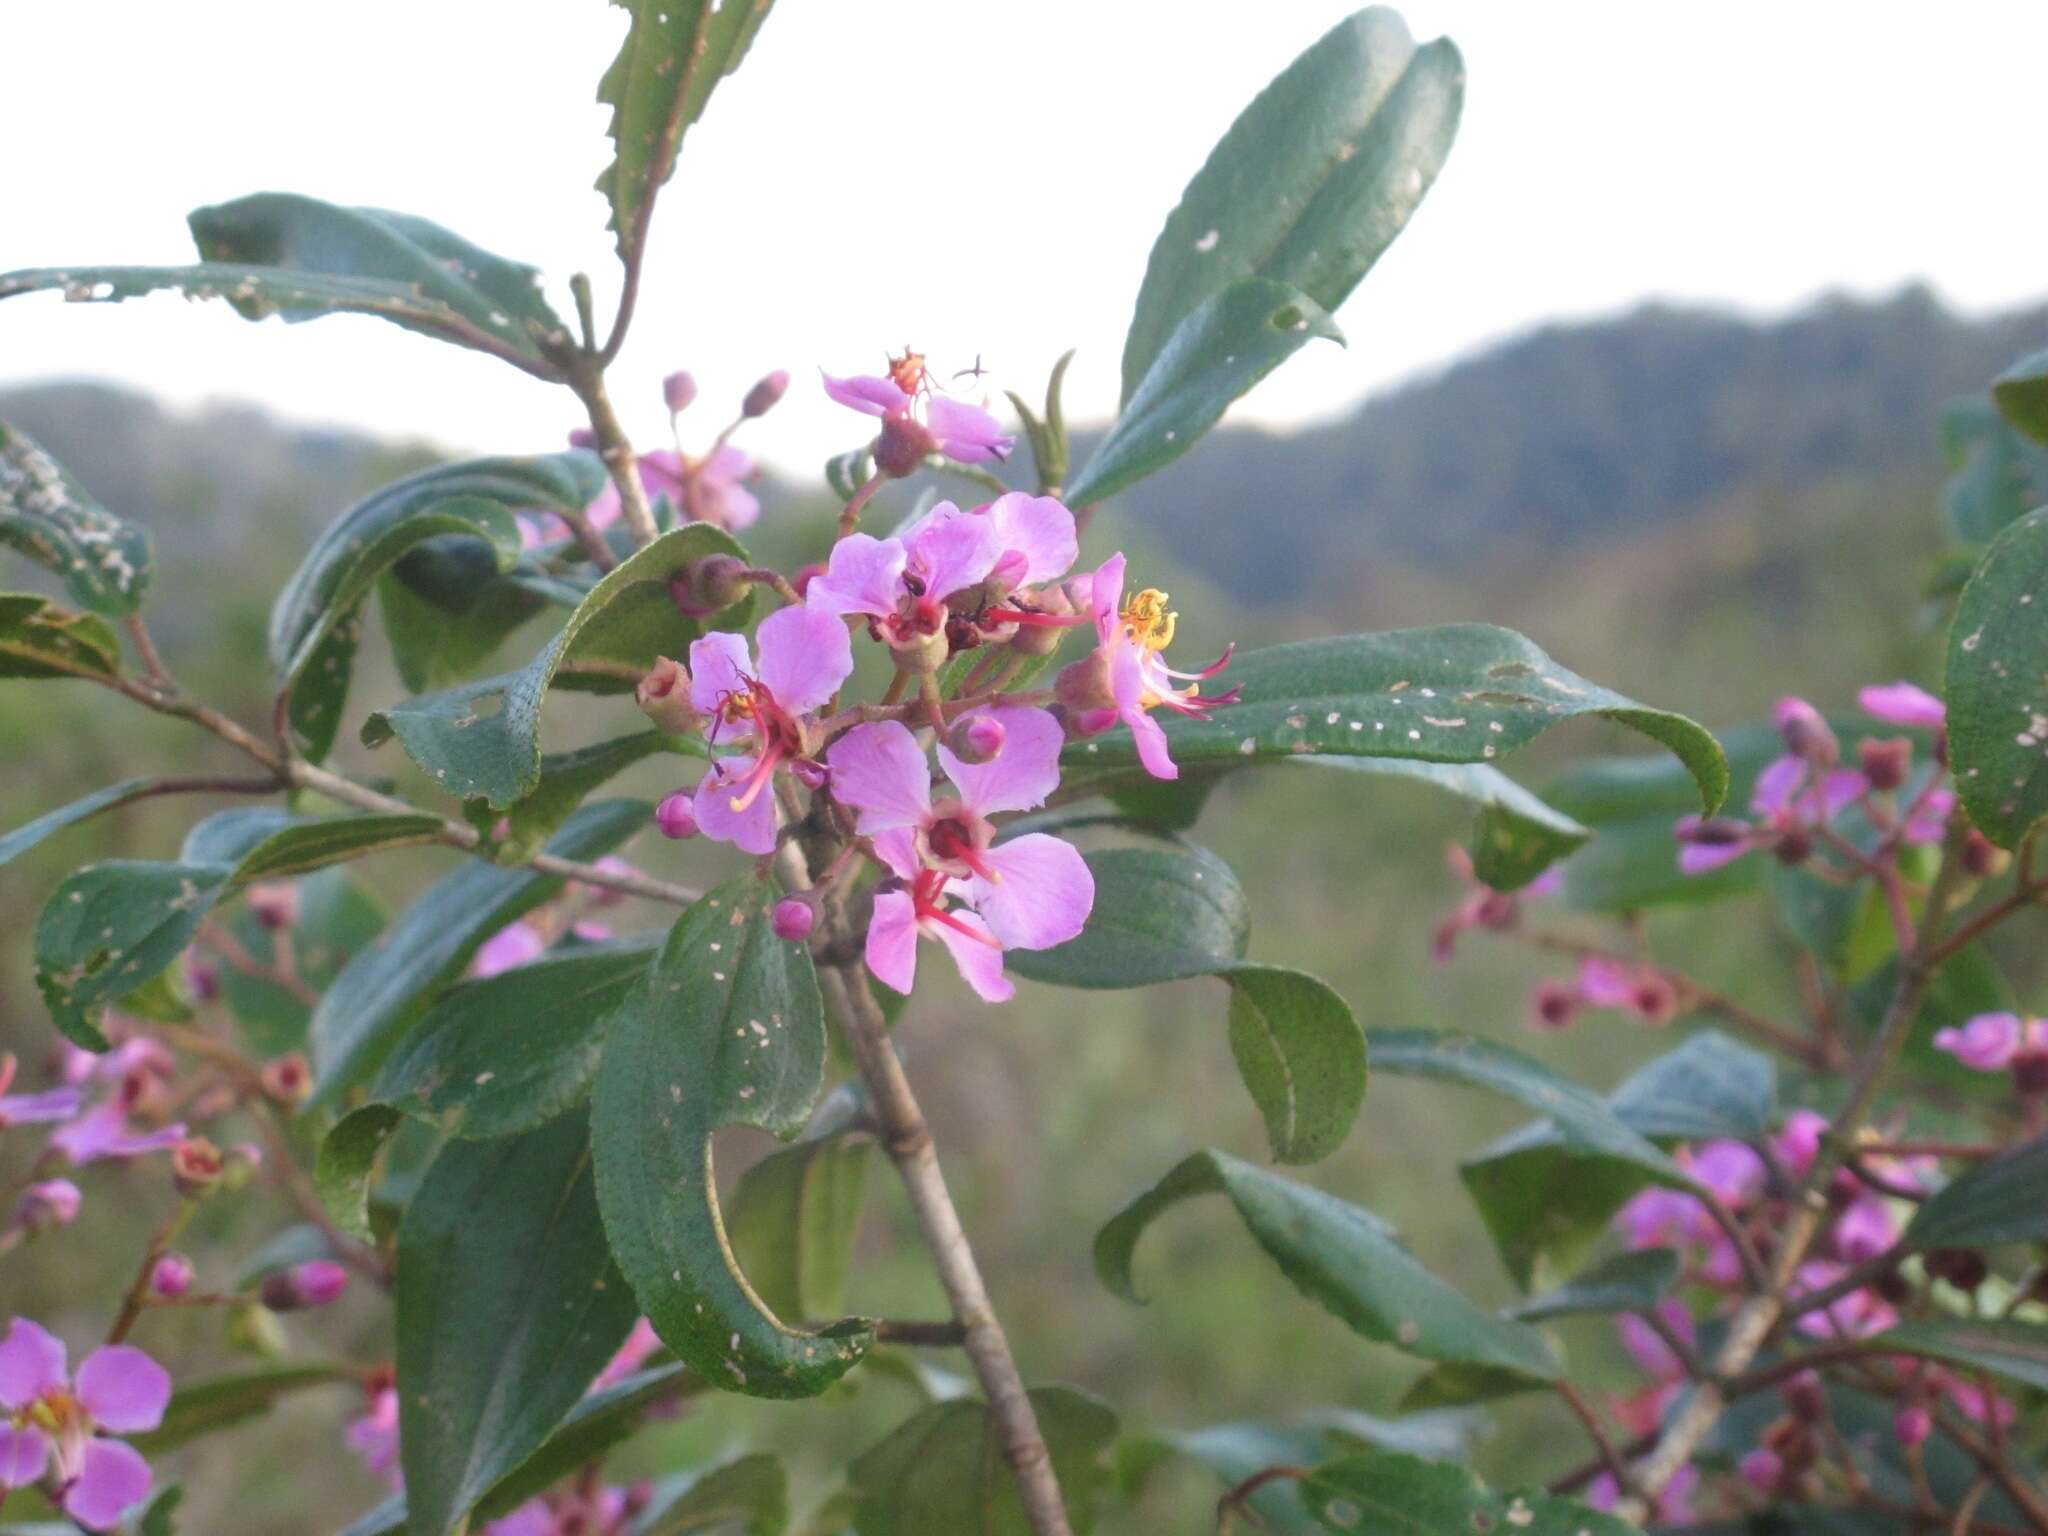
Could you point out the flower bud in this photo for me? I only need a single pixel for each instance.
(1913, 1424)
(708, 586)
(805, 575)
(196, 1167)
(905, 444)
(315, 1283)
(243, 1162)
(51, 1203)
(255, 1330)
(766, 394)
(1553, 1005)
(583, 437)
(1083, 687)
(664, 697)
(677, 816)
(920, 652)
(1805, 1396)
(1982, 858)
(1885, 763)
(171, 1275)
(288, 1080)
(810, 774)
(1963, 1268)
(1805, 734)
(1793, 846)
(202, 977)
(976, 738)
(274, 904)
(677, 391)
(1761, 1469)
(793, 918)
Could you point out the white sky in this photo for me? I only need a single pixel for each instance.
(829, 206)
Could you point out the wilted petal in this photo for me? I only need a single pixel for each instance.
(892, 941)
(112, 1477)
(980, 963)
(1043, 897)
(867, 393)
(123, 1389)
(1024, 770)
(880, 770)
(31, 1363)
(1903, 704)
(720, 666)
(1040, 529)
(805, 656)
(752, 829)
(967, 434)
(24, 1453)
(865, 575)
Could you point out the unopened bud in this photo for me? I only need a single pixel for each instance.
(1982, 858)
(288, 1080)
(50, 1203)
(766, 394)
(677, 391)
(708, 586)
(1885, 763)
(583, 437)
(1963, 1268)
(243, 1162)
(1805, 733)
(805, 575)
(664, 697)
(1553, 1005)
(171, 1275)
(274, 904)
(202, 978)
(976, 738)
(920, 653)
(196, 1167)
(1084, 687)
(905, 444)
(793, 919)
(1806, 1396)
(676, 816)
(255, 1330)
(315, 1283)
(1761, 1469)
(810, 773)
(2030, 1072)
(1793, 846)
(1913, 1424)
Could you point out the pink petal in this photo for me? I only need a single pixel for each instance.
(751, 830)
(31, 1363)
(897, 849)
(720, 665)
(1606, 983)
(1041, 530)
(1699, 858)
(805, 656)
(867, 393)
(967, 434)
(1025, 769)
(954, 553)
(1903, 704)
(1043, 897)
(1730, 1169)
(729, 504)
(123, 1389)
(23, 1455)
(1864, 1230)
(1987, 1042)
(729, 463)
(533, 1518)
(631, 1355)
(38, 1108)
(512, 946)
(661, 474)
(113, 1477)
(892, 941)
(880, 770)
(604, 511)
(1929, 821)
(1838, 791)
(1775, 785)
(1106, 597)
(1798, 1142)
(981, 965)
(864, 575)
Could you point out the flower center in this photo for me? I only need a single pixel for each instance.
(957, 842)
(1148, 621)
(908, 374)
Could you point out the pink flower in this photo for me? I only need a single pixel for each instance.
(49, 1203)
(964, 433)
(1761, 1469)
(708, 490)
(1730, 1169)
(1987, 1042)
(1647, 1347)
(1798, 1142)
(374, 1437)
(316, 1283)
(1927, 820)
(640, 1343)
(171, 1275)
(1674, 1504)
(1032, 892)
(805, 655)
(1903, 704)
(517, 943)
(1605, 982)
(1127, 676)
(1864, 1230)
(55, 1422)
(104, 1132)
(1035, 538)
(1855, 1316)
(903, 584)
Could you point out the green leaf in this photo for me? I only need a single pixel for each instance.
(2003, 1346)
(943, 1469)
(2001, 1200)
(158, 1517)
(302, 845)
(1311, 183)
(1998, 685)
(750, 1492)
(2021, 392)
(25, 837)
(1340, 1256)
(433, 645)
(567, 778)
(511, 1052)
(347, 1161)
(1390, 1494)
(1168, 913)
(596, 1424)
(384, 990)
(1459, 693)
(1217, 353)
(40, 639)
(792, 1221)
(1996, 475)
(337, 919)
(276, 253)
(1582, 1119)
(214, 1403)
(729, 1029)
(1628, 1282)
(508, 1305)
(317, 616)
(1546, 1202)
(46, 515)
(483, 739)
(675, 53)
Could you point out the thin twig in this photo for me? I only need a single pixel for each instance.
(1597, 1432)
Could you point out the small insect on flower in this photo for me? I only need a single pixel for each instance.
(916, 420)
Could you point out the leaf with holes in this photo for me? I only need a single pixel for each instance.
(1998, 684)
(1342, 1257)
(46, 515)
(277, 253)
(482, 740)
(728, 1029)
(675, 53)
(508, 1306)
(40, 639)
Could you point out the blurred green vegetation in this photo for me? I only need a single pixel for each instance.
(1711, 594)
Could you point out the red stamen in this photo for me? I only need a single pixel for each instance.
(1026, 616)
(757, 780)
(949, 920)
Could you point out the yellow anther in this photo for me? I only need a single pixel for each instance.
(1145, 615)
